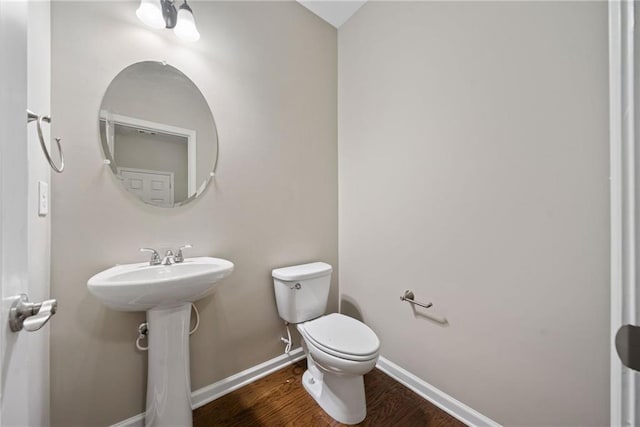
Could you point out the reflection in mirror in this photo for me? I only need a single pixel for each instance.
(158, 133)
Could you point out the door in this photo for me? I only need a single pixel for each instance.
(154, 187)
(24, 389)
(624, 88)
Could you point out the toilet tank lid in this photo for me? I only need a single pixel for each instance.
(302, 272)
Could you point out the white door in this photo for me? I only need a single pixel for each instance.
(624, 84)
(153, 187)
(24, 393)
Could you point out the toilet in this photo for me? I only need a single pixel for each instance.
(339, 349)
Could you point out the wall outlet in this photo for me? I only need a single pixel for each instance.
(43, 198)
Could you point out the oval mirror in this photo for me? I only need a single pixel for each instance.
(158, 134)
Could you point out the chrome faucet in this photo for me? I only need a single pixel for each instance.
(155, 257)
(179, 257)
(168, 259)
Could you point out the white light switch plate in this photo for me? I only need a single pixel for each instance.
(43, 198)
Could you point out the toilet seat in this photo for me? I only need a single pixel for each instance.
(328, 363)
(341, 336)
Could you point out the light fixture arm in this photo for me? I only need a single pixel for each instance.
(186, 6)
(169, 13)
(164, 14)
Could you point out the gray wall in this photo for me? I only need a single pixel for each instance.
(473, 146)
(268, 71)
(157, 152)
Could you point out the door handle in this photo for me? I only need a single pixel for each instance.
(29, 315)
(628, 346)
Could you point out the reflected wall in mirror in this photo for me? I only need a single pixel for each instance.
(158, 134)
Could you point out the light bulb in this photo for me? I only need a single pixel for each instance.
(150, 12)
(186, 26)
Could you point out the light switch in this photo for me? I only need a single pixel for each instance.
(43, 198)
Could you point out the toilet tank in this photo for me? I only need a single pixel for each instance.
(302, 291)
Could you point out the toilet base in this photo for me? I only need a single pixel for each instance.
(340, 396)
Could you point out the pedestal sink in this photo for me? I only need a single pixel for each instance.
(165, 292)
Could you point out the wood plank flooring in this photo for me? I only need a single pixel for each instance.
(279, 399)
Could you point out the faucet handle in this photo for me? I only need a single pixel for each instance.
(179, 257)
(155, 257)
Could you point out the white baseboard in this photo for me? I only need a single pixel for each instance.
(218, 389)
(135, 421)
(439, 398)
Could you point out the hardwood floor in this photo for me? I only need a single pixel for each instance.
(280, 400)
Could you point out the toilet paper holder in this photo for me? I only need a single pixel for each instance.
(409, 297)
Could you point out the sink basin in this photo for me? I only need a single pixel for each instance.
(141, 287)
(165, 292)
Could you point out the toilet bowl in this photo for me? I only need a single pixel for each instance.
(339, 349)
(341, 344)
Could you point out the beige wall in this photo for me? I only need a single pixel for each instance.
(473, 170)
(268, 71)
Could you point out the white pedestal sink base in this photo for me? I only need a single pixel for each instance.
(168, 377)
(164, 292)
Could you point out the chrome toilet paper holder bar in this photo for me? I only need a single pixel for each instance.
(409, 297)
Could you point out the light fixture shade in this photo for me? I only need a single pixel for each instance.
(150, 12)
(186, 26)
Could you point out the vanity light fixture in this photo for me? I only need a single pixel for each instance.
(163, 14)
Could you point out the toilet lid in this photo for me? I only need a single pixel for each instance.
(342, 334)
(302, 272)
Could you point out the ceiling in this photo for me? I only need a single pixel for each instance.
(335, 12)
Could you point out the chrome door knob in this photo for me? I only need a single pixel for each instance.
(628, 346)
(47, 309)
(29, 315)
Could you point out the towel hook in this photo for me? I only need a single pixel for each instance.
(31, 116)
